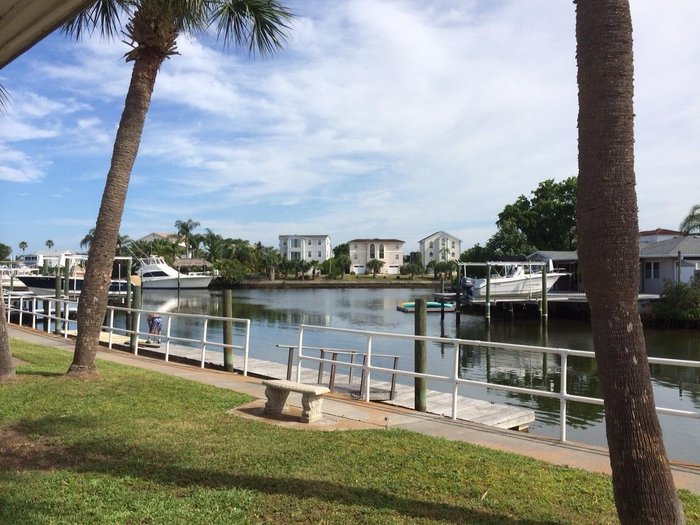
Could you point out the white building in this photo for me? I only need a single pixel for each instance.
(676, 260)
(306, 247)
(439, 247)
(50, 258)
(389, 251)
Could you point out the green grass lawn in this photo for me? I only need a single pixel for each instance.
(137, 447)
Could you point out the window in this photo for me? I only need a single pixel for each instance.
(319, 254)
(309, 254)
(430, 245)
(453, 244)
(651, 270)
(381, 251)
(295, 243)
(296, 255)
(319, 242)
(309, 242)
(396, 257)
(372, 251)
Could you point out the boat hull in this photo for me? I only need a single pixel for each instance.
(431, 306)
(46, 285)
(183, 282)
(521, 286)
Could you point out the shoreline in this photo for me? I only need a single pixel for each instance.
(335, 283)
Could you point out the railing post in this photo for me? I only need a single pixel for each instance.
(246, 347)
(299, 353)
(204, 341)
(167, 338)
(455, 379)
(228, 331)
(110, 337)
(134, 319)
(562, 396)
(366, 368)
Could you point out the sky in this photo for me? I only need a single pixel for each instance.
(379, 119)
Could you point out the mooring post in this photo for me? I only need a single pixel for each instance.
(458, 299)
(136, 304)
(228, 331)
(57, 308)
(545, 310)
(488, 294)
(66, 278)
(421, 356)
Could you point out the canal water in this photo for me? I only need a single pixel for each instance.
(276, 315)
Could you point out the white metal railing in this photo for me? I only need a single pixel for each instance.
(455, 381)
(58, 315)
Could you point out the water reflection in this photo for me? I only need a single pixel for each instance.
(276, 315)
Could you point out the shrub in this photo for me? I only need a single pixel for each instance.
(679, 303)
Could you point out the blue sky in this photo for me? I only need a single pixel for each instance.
(379, 119)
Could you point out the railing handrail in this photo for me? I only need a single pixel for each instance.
(454, 379)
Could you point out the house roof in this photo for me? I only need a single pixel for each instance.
(688, 245)
(24, 22)
(659, 231)
(555, 256)
(376, 240)
(438, 233)
(323, 235)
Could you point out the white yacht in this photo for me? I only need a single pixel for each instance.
(156, 274)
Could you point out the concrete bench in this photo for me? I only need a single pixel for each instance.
(277, 391)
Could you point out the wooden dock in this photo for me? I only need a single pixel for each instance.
(468, 409)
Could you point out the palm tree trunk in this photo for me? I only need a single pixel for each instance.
(7, 366)
(93, 298)
(609, 259)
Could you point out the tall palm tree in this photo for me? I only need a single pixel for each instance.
(23, 246)
(691, 224)
(49, 244)
(7, 365)
(87, 240)
(609, 258)
(185, 233)
(153, 27)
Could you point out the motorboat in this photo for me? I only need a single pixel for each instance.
(431, 306)
(511, 279)
(9, 273)
(156, 274)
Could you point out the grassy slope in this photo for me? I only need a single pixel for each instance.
(140, 447)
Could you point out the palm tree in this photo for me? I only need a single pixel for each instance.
(691, 224)
(49, 244)
(608, 249)
(23, 246)
(87, 240)
(184, 233)
(153, 27)
(7, 365)
(374, 265)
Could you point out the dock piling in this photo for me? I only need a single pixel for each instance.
(421, 356)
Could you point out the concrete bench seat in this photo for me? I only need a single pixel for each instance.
(277, 391)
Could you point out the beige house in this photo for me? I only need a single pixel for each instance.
(439, 247)
(389, 251)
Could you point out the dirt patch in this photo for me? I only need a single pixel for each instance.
(18, 451)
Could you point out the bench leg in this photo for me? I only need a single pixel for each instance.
(276, 399)
(313, 408)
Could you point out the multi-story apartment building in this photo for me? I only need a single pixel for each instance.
(439, 247)
(306, 247)
(389, 251)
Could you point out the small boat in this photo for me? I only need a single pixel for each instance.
(512, 279)
(156, 274)
(432, 306)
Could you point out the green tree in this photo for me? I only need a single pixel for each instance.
(49, 244)
(5, 251)
(152, 27)
(87, 240)
(375, 266)
(267, 259)
(608, 250)
(23, 246)
(548, 219)
(691, 223)
(509, 240)
(342, 263)
(341, 249)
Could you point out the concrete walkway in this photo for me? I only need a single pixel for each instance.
(343, 413)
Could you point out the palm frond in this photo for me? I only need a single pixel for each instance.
(691, 223)
(4, 98)
(259, 25)
(103, 15)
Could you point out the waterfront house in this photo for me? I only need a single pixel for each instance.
(389, 251)
(48, 258)
(659, 234)
(674, 259)
(439, 247)
(307, 248)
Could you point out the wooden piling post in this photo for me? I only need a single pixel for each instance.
(487, 310)
(136, 304)
(228, 331)
(545, 309)
(57, 309)
(421, 356)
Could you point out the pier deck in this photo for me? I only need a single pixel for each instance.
(468, 409)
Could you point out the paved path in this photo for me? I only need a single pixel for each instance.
(343, 413)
